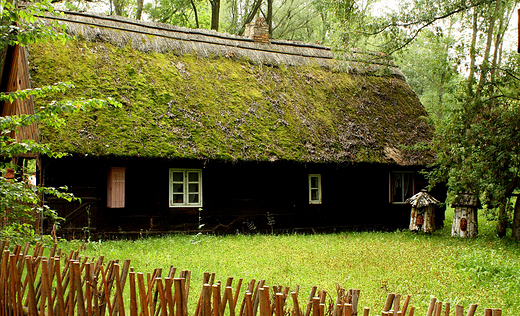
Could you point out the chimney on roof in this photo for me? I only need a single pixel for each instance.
(258, 31)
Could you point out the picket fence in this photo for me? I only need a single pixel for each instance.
(69, 284)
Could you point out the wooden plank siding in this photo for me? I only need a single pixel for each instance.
(244, 197)
(15, 76)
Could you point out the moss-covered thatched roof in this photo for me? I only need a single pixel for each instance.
(205, 95)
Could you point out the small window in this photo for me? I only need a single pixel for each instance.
(401, 186)
(315, 189)
(185, 187)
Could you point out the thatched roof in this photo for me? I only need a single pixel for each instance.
(206, 95)
(422, 199)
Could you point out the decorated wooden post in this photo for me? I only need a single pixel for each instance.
(465, 223)
(422, 217)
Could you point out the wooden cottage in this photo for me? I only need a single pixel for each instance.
(255, 134)
(465, 217)
(422, 216)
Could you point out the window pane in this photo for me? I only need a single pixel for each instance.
(407, 185)
(193, 188)
(314, 194)
(177, 176)
(178, 198)
(314, 182)
(193, 176)
(177, 188)
(193, 198)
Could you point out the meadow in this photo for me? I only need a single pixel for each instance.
(484, 270)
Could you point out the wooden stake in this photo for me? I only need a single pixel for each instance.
(397, 303)
(438, 309)
(278, 304)
(296, 306)
(472, 309)
(488, 312)
(412, 310)
(142, 294)
(366, 311)
(180, 297)
(262, 303)
(216, 300)
(447, 309)
(497, 311)
(133, 294)
(431, 307)
(316, 306)
(405, 304)
(388, 302)
(309, 302)
(249, 304)
(162, 296)
(347, 309)
(459, 310)
(206, 300)
(256, 297)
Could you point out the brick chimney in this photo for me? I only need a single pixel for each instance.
(258, 31)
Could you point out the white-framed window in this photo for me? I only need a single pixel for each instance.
(314, 188)
(185, 188)
(401, 186)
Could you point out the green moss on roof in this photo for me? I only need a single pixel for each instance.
(223, 108)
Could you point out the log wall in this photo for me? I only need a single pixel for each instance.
(246, 197)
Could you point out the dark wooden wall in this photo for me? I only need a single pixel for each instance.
(236, 196)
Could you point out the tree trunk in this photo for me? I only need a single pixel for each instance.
(139, 10)
(502, 221)
(472, 53)
(484, 68)
(195, 13)
(465, 222)
(270, 17)
(215, 14)
(516, 220)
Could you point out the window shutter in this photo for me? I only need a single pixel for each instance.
(116, 187)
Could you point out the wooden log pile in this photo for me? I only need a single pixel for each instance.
(67, 284)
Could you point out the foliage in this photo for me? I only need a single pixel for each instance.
(431, 70)
(476, 90)
(20, 25)
(187, 13)
(18, 198)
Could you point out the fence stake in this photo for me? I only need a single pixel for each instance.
(142, 294)
(459, 310)
(447, 309)
(315, 306)
(309, 302)
(431, 307)
(296, 307)
(472, 309)
(168, 282)
(388, 302)
(162, 297)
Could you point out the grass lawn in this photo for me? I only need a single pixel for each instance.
(485, 270)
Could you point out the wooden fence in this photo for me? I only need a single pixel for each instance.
(68, 284)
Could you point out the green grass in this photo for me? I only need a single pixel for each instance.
(484, 270)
